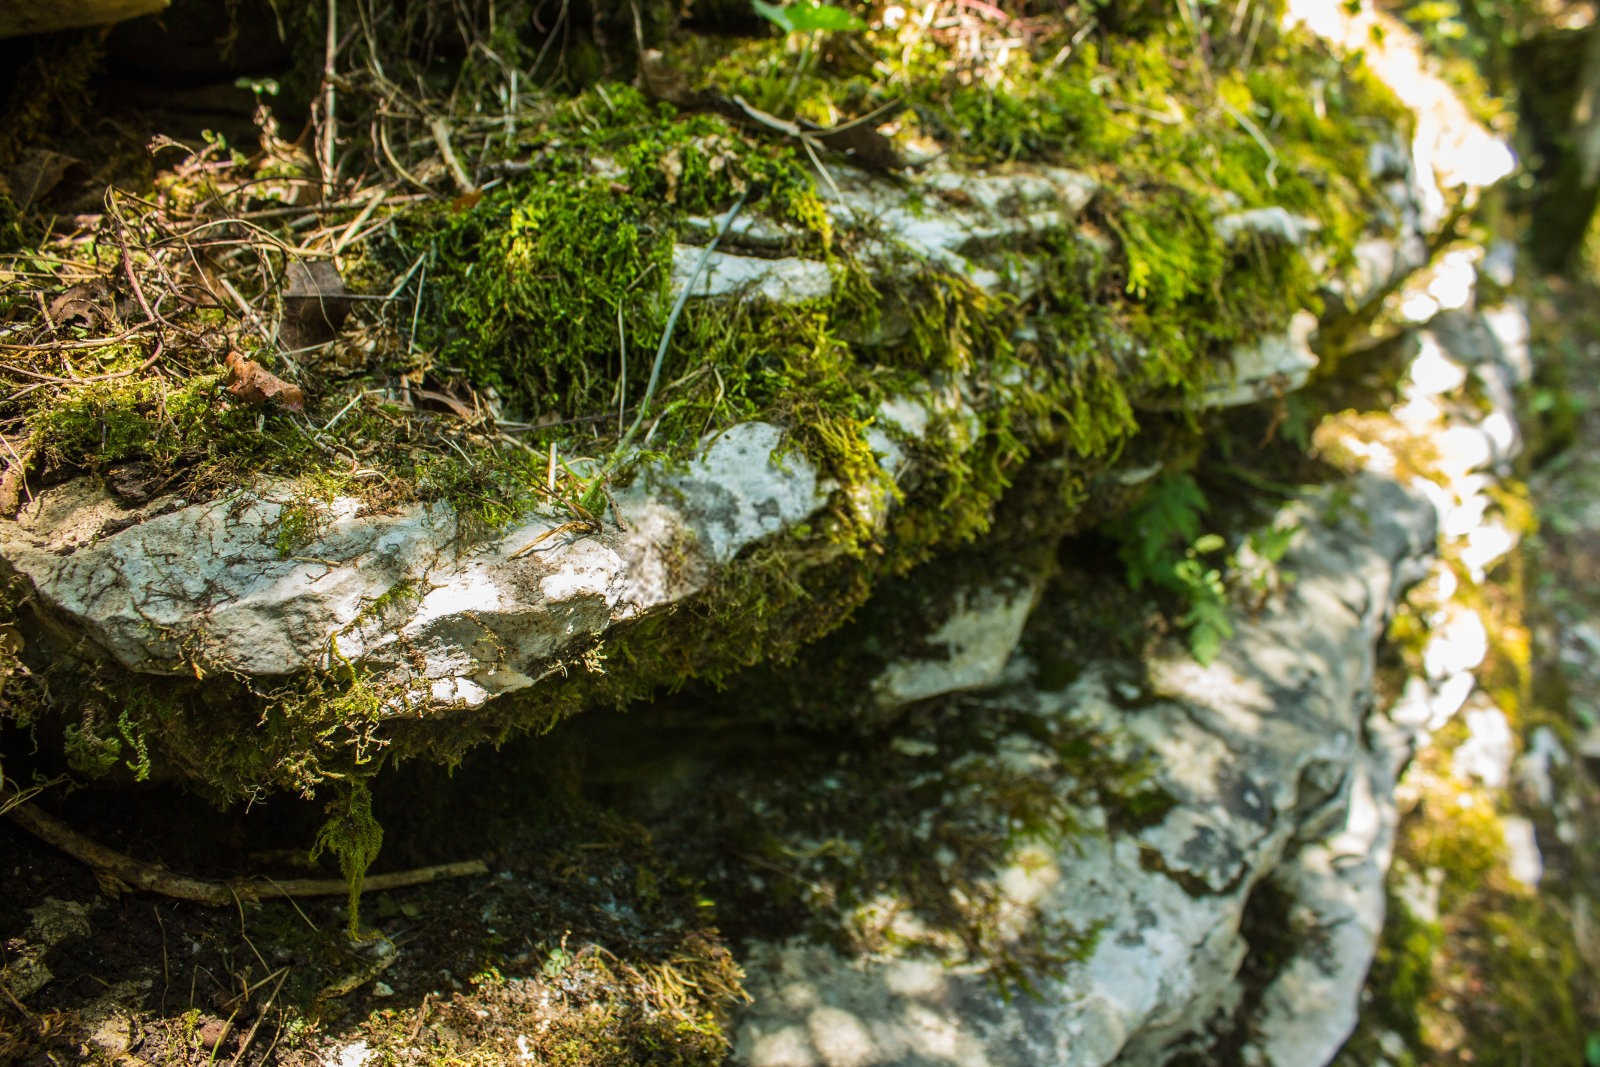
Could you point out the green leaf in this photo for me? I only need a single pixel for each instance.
(1205, 641)
(1273, 542)
(806, 16)
(1154, 533)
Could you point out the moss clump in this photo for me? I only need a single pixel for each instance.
(533, 286)
(171, 426)
(1288, 125)
(353, 837)
(536, 289)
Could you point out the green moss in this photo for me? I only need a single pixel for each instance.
(1532, 975)
(353, 837)
(1465, 841)
(531, 283)
(537, 288)
(1402, 973)
(1134, 109)
(89, 753)
(296, 528)
(1496, 979)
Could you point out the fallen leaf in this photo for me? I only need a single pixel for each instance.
(869, 147)
(35, 173)
(254, 384)
(861, 138)
(84, 304)
(315, 303)
(445, 400)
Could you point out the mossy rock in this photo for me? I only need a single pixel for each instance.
(262, 599)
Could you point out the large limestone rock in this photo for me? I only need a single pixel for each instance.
(1272, 779)
(171, 586)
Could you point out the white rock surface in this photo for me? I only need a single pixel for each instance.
(205, 585)
(1311, 1006)
(1271, 222)
(957, 217)
(970, 649)
(786, 280)
(1262, 754)
(1487, 752)
(1524, 862)
(1272, 367)
(1457, 644)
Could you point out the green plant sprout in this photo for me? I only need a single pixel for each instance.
(810, 18)
(806, 16)
(1159, 542)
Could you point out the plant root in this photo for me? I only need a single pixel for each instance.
(119, 872)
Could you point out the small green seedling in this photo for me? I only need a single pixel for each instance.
(807, 16)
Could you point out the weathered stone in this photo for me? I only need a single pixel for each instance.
(205, 584)
(52, 921)
(1270, 222)
(1524, 862)
(166, 586)
(1260, 753)
(973, 645)
(783, 281)
(1486, 753)
(1271, 368)
(1310, 1006)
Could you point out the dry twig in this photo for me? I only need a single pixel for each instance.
(152, 878)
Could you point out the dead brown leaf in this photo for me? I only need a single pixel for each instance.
(254, 384)
(315, 303)
(863, 143)
(452, 404)
(38, 171)
(87, 304)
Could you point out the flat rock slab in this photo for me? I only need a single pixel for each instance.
(170, 587)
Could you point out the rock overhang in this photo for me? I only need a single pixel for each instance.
(1000, 333)
(169, 587)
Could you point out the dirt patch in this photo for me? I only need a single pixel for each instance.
(582, 946)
